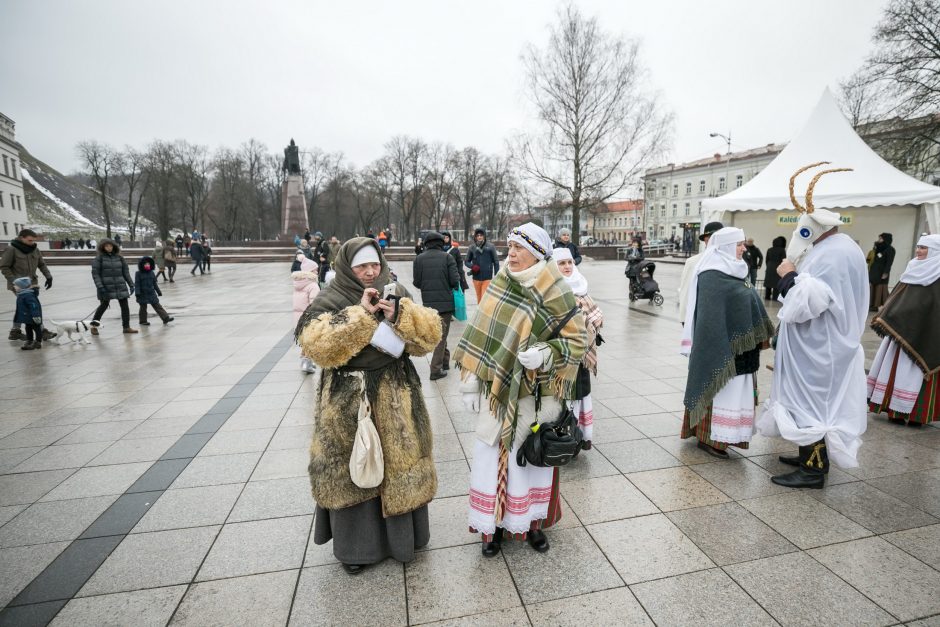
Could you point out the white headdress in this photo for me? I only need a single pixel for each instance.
(533, 238)
(576, 281)
(813, 222)
(924, 271)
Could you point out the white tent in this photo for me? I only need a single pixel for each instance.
(876, 197)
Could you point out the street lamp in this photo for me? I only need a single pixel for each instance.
(727, 139)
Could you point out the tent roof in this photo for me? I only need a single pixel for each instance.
(827, 136)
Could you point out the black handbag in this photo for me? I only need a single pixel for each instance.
(552, 443)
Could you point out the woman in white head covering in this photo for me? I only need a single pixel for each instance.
(582, 406)
(903, 381)
(507, 358)
(725, 328)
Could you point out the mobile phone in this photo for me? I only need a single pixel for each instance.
(388, 291)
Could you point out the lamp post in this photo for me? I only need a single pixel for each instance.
(727, 139)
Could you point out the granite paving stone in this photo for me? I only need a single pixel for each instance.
(151, 560)
(230, 442)
(7, 512)
(12, 457)
(376, 596)
(217, 470)
(923, 543)
(677, 488)
(920, 489)
(141, 608)
(190, 507)
(257, 600)
(97, 481)
(448, 519)
(282, 464)
(626, 543)
(64, 456)
(616, 606)
(134, 450)
(256, 547)
(454, 582)
(803, 520)
(739, 478)
(606, 498)
(637, 455)
(53, 521)
(511, 617)
(901, 584)
(797, 590)
(872, 508)
(273, 499)
(100, 432)
(19, 565)
(717, 600)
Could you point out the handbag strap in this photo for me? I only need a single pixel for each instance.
(554, 335)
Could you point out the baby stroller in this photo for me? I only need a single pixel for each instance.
(642, 285)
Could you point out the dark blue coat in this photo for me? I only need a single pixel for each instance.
(146, 288)
(27, 307)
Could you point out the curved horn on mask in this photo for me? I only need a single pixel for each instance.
(796, 203)
(812, 184)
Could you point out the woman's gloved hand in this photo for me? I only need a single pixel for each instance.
(470, 393)
(536, 357)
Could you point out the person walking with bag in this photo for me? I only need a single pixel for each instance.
(582, 406)
(436, 275)
(306, 287)
(147, 292)
(483, 262)
(169, 258)
(363, 338)
(526, 340)
(113, 281)
(159, 259)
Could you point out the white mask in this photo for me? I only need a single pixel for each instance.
(813, 223)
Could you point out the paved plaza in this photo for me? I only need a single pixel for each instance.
(160, 478)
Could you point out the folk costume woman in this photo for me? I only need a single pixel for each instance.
(339, 331)
(725, 326)
(904, 379)
(507, 360)
(582, 407)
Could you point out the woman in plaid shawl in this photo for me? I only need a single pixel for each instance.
(505, 354)
(582, 407)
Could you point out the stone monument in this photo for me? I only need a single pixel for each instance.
(293, 200)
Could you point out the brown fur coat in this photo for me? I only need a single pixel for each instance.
(400, 415)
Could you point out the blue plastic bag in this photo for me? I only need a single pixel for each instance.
(460, 305)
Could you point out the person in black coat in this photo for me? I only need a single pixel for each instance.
(451, 248)
(436, 275)
(879, 272)
(775, 254)
(754, 259)
(197, 253)
(564, 241)
(113, 282)
(148, 291)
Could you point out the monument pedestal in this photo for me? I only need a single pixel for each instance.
(293, 207)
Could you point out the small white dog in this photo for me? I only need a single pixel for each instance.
(70, 328)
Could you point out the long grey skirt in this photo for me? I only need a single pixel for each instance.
(361, 536)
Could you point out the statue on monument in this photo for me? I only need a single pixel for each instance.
(291, 159)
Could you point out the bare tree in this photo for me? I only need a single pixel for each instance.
(405, 158)
(317, 164)
(194, 169)
(499, 194)
(273, 178)
(101, 162)
(470, 181)
(160, 162)
(439, 183)
(132, 168)
(598, 127)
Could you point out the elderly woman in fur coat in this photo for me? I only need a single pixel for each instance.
(341, 332)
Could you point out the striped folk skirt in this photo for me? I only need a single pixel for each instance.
(883, 392)
(729, 419)
(584, 410)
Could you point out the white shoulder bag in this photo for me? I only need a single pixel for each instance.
(366, 464)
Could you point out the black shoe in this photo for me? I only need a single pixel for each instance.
(16, 335)
(790, 460)
(586, 445)
(440, 374)
(193, 273)
(711, 450)
(491, 549)
(144, 323)
(168, 320)
(48, 335)
(801, 478)
(446, 366)
(915, 425)
(28, 346)
(538, 541)
(353, 569)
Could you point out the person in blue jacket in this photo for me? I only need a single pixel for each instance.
(483, 261)
(28, 312)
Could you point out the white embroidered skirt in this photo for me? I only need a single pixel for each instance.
(732, 418)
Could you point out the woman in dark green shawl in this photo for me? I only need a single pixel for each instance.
(725, 328)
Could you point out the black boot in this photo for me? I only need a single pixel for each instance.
(16, 335)
(491, 549)
(537, 540)
(811, 473)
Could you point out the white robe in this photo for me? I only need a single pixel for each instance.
(688, 271)
(819, 388)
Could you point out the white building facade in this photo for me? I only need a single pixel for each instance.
(12, 200)
(674, 193)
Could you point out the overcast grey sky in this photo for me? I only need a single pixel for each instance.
(346, 76)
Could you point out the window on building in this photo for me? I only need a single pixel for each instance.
(1, 200)
(686, 208)
(675, 189)
(700, 207)
(674, 210)
(13, 168)
(19, 202)
(721, 183)
(5, 231)
(701, 186)
(662, 211)
(739, 180)
(688, 188)
(5, 166)
(662, 191)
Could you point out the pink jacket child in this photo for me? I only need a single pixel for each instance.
(306, 287)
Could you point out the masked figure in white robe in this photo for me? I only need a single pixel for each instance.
(818, 397)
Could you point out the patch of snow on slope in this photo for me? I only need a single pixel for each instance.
(60, 203)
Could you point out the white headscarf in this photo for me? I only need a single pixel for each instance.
(576, 281)
(533, 238)
(720, 254)
(924, 271)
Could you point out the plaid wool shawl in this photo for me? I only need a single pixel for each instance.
(510, 319)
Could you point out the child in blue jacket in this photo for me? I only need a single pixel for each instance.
(28, 312)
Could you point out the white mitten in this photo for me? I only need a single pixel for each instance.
(534, 358)
(471, 402)
(470, 393)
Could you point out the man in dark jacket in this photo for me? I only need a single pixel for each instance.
(435, 274)
(23, 258)
(754, 259)
(197, 253)
(483, 262)
(775, 255)
(564, 241)
(879, 272)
